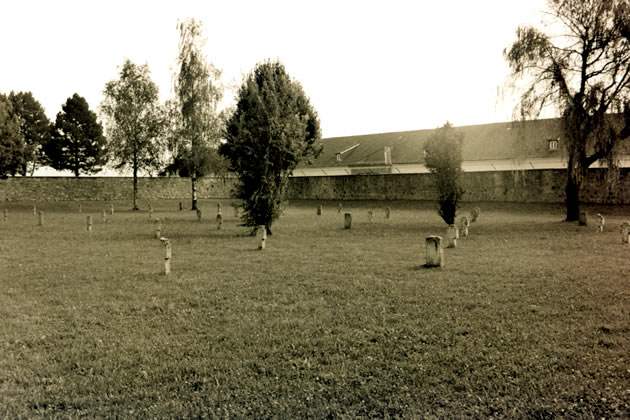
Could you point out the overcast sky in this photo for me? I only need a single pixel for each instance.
(368, 66)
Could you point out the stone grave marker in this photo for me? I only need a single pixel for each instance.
(167, 255)
(339, 207)
(370, 216)
(34, 210)
(388, 212)
(88, 221)
(6, 215)
(474, 214)
(41, 218)
(219, 221)
(151, 214)
(625, 233)
(347, 221)
(104, 216)
(158, 229)
(434, 255)
(218, 207)
(602, 222)
(198, 215)
(452, 234)
(464, 224)
(181, 206)
(583, 218)
(262, 231)
(80, 208)
(319, 210)
(111, 209)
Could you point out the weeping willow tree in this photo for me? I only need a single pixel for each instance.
(196, 126)
(580, 65)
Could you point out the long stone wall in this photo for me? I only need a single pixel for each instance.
(517, 186)
(109, 188)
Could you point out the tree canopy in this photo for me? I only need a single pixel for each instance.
(196, 125)
(77, 142)
(135, 121)
(443, 158)
(34, 128)
(11, 139)
(581, 66)
(273, 128)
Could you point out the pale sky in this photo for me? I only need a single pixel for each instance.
(367, 66)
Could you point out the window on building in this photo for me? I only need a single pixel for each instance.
(553, 144)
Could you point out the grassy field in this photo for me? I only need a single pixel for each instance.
(530, 317)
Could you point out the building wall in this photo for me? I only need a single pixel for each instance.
(517, 186)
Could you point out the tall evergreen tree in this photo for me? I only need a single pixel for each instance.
(135, 122)
(77, 142)
(273, 128)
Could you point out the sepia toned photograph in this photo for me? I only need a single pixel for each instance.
(315, 210)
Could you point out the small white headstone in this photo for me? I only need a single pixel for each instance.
(167, 255)
(452, 234)
(602, 222)
(625, 233)
(474, 213)
(34, 210)
(111, 209)
(262, 230)
(88, 220)
(464, 226)
(103, 216)
(41, 218)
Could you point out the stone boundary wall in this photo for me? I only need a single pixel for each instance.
(515, 186)
(109, 188)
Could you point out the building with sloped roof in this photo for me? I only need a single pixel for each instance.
(524, 145)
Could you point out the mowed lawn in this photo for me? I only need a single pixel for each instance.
(530, 317)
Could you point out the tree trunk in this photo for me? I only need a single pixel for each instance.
(193, 179)
(573, 199)
(135, 188)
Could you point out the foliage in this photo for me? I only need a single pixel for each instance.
(11, 139)
(444, 159)
(584, 71)
(196, 126)
(77, 140)
(273, 128)
(135, 121)
(34, 127)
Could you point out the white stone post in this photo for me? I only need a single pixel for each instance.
(347, 221)
(474, 213)
(218, 207)
(167, 255)
(625, 233)
(263, 236)
(111, 209)
(89, 223)
(104, 216)
(452, 234)
(319, 210)
(198, 215)
(464, 223)
(602, 222)
(34, 211)
(388, 212)
(583, 218)
(41, 218)
(433, 251)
